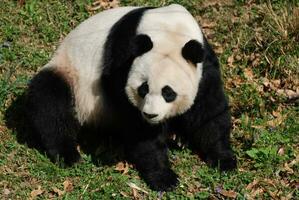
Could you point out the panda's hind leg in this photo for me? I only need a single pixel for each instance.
(51, 115)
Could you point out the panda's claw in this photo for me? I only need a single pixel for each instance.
(224, 164)
(69, 156)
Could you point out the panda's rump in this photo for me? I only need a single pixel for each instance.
(85, 91)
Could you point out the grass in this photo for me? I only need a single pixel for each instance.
(257, 44)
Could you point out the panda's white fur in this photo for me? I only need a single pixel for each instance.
(79, 59)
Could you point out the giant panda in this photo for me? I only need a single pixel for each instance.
(143, 72)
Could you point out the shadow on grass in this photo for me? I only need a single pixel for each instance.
(103, 150)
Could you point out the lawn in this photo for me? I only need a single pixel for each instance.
(258, 47)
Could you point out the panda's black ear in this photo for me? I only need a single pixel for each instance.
(141, 44)
(193, 51)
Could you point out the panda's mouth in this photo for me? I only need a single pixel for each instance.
(151, 118)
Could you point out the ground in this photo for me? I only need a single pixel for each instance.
(258, 46)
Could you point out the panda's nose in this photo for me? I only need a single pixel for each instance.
(150, 116)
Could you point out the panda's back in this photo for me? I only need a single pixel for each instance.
(79, 58)
(83, 47)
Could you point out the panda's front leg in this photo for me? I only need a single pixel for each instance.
(151, 160)
(211, 140)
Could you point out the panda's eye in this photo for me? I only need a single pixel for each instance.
(143, 89)
(168, 94)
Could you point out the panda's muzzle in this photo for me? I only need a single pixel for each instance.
(149, 116)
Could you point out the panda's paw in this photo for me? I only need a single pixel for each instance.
(162, 180)
(224, 164)
(71, 158)
(228, 164)
(64, 158)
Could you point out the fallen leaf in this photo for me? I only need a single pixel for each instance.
(230, 60)
(218, 47)
(257, 126)
(93, 8)
(122, 167)
(2, 129)
(274, 194)
(288, 197)
(57, 191)
(276, 83)
(124, 194)
(236, 81)
(270, 182)
(6, 191)
(208, 3)
(160, 195)
(238, 57)
(21, 2)
(257, 192)
(277, 121)
(252, 57)
(208, 24)
(219, 50)
(252, 184)
(295, 161)
(36, 192)
(227, 193)
(248, 73)
(105, 4)
(280, 151)
(133, 185)
(266, 82)
(287, 168)
(135, 194)
(280, 92)
(68, 186)
(256, 62)
(291, 94)
(276, 114)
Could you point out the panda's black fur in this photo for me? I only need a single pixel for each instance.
(50, 114)
(205, 126)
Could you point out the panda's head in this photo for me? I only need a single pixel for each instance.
(163, 81)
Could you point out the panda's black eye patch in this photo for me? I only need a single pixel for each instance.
(143, 89)
(168, 94)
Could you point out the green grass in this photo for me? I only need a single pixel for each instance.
(257, 45)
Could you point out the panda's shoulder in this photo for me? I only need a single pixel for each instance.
(99, 23)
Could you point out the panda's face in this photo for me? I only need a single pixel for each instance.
(162, 86)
